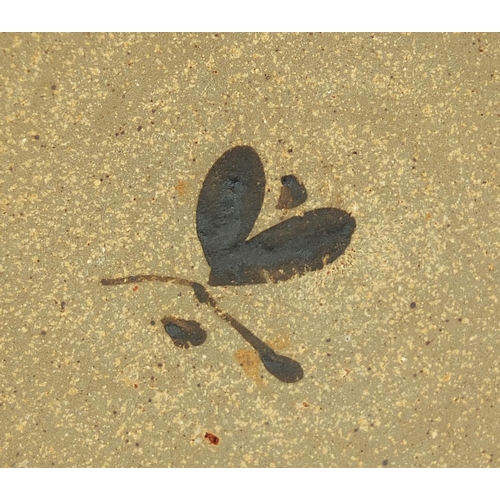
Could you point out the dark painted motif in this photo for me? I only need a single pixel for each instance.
(293, 193)
(184, 332)
(228, 206)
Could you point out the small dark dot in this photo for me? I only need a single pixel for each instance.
(385, 462)
(53, 87)
(43, 332)
(137, 444)
(290, 150)
(37, 137)
(160, 365)
(460, 320)
(413, 305)
(139, 128)
(153, 322)
(328, 340)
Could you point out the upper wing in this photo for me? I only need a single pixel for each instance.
(229, 202)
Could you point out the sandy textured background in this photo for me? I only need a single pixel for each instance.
(105, 141)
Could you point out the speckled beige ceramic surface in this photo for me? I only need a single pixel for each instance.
(105, 141)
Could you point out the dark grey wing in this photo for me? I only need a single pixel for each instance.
(292, 247)
(229, 202)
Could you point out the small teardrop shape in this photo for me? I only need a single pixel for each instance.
(184, 332)
(283, 368)
(293, 192)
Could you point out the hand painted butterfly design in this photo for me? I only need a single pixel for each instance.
(229, 203)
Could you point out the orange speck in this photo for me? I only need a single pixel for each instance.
(135, 288)
(305, 405)
(212, 438)
(250, 362)
(181, 188)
